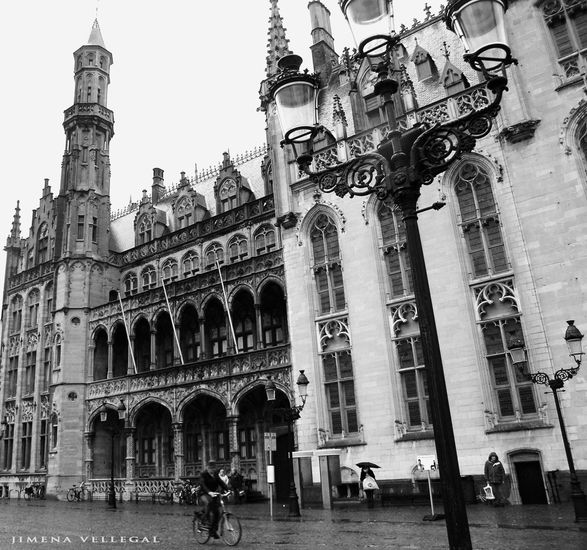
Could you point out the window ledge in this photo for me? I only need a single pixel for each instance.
(346, 442)
(519, 426)
(416, 436)
(571, 82)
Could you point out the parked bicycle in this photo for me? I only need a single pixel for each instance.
(229, 526)
(167, 494)
(35, 490)
(77, 493)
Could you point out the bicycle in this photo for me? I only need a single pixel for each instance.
(76, 493)
(165, 495)
(36, 490)
(229, 526)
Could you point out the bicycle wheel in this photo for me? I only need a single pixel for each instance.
(70, 495)
(163, 496)
(230, 529)
(200, 530)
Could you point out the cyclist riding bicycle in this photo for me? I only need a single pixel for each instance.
(212, 486)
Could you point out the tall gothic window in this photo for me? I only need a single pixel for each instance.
(42, 244)
(8, 445)
(29, 372)
(190, 264)
(149, 277)
(339, 384)
(394, 250)
(264, 239)
(32, 309)
(500, 322)
(567, 21)
(479, 221)
(145, 230)
(169, 270)
(243, 318)
(327, 265)
(16, 316)
(12, 376)
(238, 248)
(410, 366)
(130, 283)
(25, 441)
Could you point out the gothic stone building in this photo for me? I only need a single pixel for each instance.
(313, 281)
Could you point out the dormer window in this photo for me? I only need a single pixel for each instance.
(425, 67)
(145, 231)
(228, 195)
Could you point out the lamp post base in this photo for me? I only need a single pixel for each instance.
(111, 497)
(579, 502)
(294, 505)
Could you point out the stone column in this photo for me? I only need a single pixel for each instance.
(203, 350)
(259, 321)
(130, 369)
(153, 359)
(110, 357)
(129, 483)
(233, 442)
(178, 450)
(91, 350)
(89, 455)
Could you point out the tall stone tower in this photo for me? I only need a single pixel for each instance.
(83, 279)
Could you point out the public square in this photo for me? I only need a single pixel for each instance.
(144, 525)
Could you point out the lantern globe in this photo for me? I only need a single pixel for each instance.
(574, 339)
(370, 24)
(480, 24)
(270, 389)
(302, 383)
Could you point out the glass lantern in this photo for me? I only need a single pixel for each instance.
(370, 23)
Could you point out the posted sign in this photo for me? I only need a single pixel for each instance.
(270, 441)
(427, 462)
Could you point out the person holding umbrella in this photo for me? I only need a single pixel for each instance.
(368, 482)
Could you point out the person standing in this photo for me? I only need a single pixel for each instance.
(236, 484)
(495, 476)
(212, 486)
(366, 473)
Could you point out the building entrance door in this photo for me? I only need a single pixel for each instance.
(530, 482)
(281, 468)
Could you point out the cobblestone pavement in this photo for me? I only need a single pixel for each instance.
(89, 525)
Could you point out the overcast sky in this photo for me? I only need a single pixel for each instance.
(184, 85)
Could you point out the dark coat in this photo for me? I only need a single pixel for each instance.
(494, 471)
(211, 483)
(366, 473)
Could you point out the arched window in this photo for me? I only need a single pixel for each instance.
(326, 264)
(479, 220)
(227, 193)
(42, 244)
(190, 264)
(273, 315)
(189, 334)
(145, 230)
(130, 283)
(264, 239)
(32, 309)
(100, 355)
(410, 366)
(149, 277)
(213, 253)
(169, 270)
(16, 314)
(184, 212)
(48, 308)
(394, 251)
(215, 324)
(237, 248)
(513, 391)
(243, 318)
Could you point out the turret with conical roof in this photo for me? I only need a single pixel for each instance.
(85, 172)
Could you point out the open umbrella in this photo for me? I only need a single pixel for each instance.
(367, 465)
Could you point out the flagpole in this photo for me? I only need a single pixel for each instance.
(132, 355)
(172, 322)
(227, 308)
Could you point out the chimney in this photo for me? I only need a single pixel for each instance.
(322, 42)
(158, 187)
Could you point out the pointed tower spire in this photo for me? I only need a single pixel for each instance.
(96, 35)
(15, 232)
(278, 44)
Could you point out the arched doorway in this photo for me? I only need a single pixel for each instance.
(527, 474)
(205, 435)
(154, 442)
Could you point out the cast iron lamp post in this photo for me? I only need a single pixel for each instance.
(573, 337)
(291, 414)
(121, 409)
(401, 164)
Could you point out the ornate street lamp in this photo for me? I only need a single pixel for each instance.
(401, 164)
(290, 414)
(103, 410)
(573, 337)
